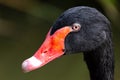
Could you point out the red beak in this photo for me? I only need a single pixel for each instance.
(52, 48)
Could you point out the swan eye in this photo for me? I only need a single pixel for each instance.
(76, 27)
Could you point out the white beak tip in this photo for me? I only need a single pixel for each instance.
(24, 66)
(31, 64)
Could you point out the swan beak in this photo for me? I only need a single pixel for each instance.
(52, 48)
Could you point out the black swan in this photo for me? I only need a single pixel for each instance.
(78, 29)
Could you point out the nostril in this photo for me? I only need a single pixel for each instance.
(45, 52)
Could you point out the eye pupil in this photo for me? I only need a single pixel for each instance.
(75, 27)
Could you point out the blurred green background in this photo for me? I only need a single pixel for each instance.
(23, 26)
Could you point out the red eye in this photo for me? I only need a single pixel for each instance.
(76, 27)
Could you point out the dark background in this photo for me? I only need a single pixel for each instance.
(23, 26)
